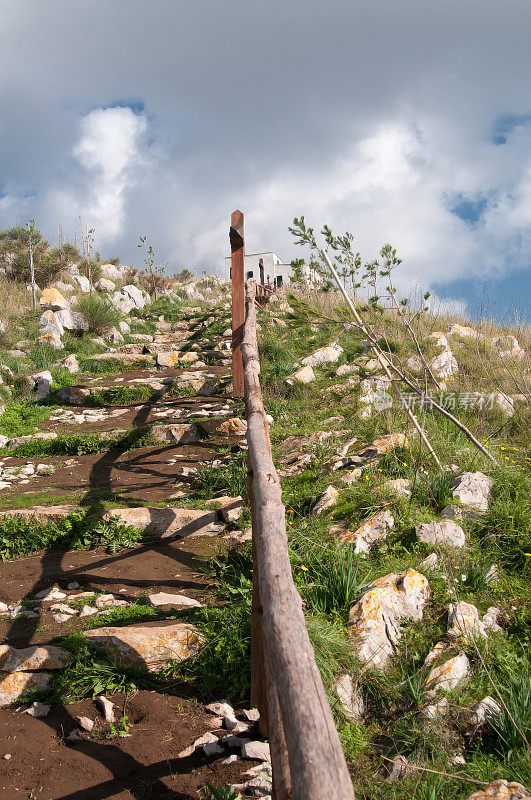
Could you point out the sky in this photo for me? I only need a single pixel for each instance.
(404, 122)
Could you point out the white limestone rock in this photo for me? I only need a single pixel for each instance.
(444, 366)
(373, 530)
(350, 698)
(447, 676)
(473, 490)
(374, 622)
(485, 712)
(324, 355)
(303, 375)
(327, 500)
(446, 533)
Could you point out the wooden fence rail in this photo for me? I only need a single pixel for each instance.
(306, 754)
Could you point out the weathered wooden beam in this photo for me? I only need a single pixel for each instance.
(317, 767)
(237, 246)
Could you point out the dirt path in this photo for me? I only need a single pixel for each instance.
(40, 759)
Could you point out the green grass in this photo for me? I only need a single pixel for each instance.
(120, 395)
(229, 478)
(22, 418)
(109, 366)
(78, 531)
(79, 444)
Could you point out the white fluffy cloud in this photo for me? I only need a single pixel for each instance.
(109, 158)
(403, 122)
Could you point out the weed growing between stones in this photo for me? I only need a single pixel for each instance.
(78, 531)
(79, 444)
(22, 418)
(228, 478)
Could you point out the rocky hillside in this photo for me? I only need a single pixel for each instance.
(126, 572)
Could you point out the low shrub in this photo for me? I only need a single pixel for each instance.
(99, 313)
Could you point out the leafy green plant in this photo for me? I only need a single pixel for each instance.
(120, 727)
(120, 395)
(100, 315)
(210, 792)
(334, 581)
(79, 444)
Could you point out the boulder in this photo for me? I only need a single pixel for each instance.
(42, 382)
(447, 676)
(464, 331)
(230, 509)
(444, 366)
(508, 347)
(374, 620)
(303, 375)
(370, 453)
(32, 658)
(16, 685)
(183, 433)
(114, 337)
(50, 323)
(504, 403)
(324, 355)
(105, 285)
(440, 340)
(70, 363)
(486, 711)
(350, 698)
(52, 299)
(415, 364)
(398, 487)
(397, 768)
(173, 600)
(52, 340)
(166, 522)
(124, 327)
(327, 500)
(73, 395)
(71, 320)
(234, 426)
(473, 490)
(63, 287)
(501, 790)
(374, 529)
(345, 369)
(150, 645)
(169, 358)
(446, 533)
(464, 623)
(28, 669)
(82, 282)
(373, 391)
(112, 273)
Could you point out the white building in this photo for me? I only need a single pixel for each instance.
(275, 272)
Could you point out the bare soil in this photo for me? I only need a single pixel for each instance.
(143, 765)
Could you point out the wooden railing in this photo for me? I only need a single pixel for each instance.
(306, 754)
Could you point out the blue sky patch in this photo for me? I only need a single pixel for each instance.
(505, 124)
(503, 299)
(469, 209)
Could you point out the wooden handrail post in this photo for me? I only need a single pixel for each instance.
(237, 246)
(306, 755)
